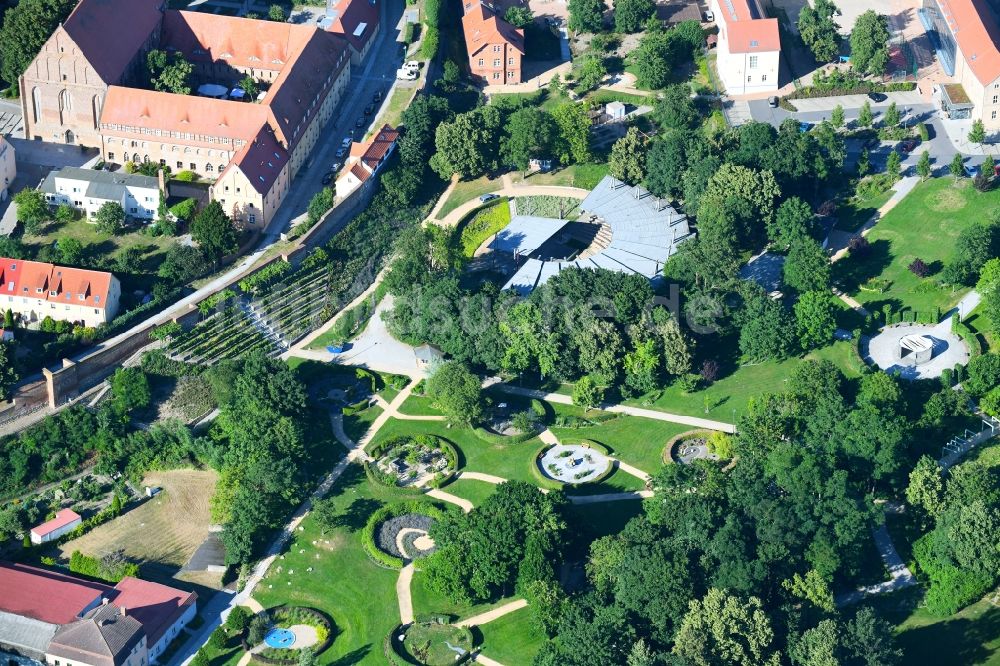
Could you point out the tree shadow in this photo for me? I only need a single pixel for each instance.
(855, 270)
(356, 515)
(353, 657)
(957, 641)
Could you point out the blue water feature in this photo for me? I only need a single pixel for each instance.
(280, 638)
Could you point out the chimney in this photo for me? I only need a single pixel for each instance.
(162, 179)
(124, 611)
(104, 601)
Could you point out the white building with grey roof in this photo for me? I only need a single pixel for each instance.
(87, 190)
(621, 228)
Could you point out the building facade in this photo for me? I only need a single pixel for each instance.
(87, 190)
(749, 47)
(8, 167)
(302, 70)
(366, 159)
(64, 522)
(966, 36)
(495, 47)
(35, 290)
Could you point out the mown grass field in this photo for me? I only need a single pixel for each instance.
(924, 225)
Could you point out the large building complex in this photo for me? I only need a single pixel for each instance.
(966, 36)
(749, 47)
(60, 620)
(495, 47)
(87, 88)
(36, 290)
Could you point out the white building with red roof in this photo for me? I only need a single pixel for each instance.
(54, 618)
(65, 521)
(365, 160)
(749, 47)
(36, 290)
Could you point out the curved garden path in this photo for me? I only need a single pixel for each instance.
(439, 494)
(403, 593)
(480, 476)
(491, 615)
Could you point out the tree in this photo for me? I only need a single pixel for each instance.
(957, 166)
(978, 133)
(676, 109)
(665, 166)
(766, 328)
(870, 43)
(924, 165)
(814, 319)
(130, 389)
(976, 244)
(919, 268)
(586, 15)
(983, 374)
(819, 31)
(926, 487)
(26, 27)
(176, 77)
(812, 588)
(893, 165)
(658, 54)
(592, 72)
(183, 263)
(837, 116)
(642, 366)
(70, 251)
(468, 144)
(457, 392)
(676, 348)
(8, 373)
(214, 231)
(892, 116)
(249, 85)
(110, 218)
(792, 222)
(870, 640)
(587, 392)
(807, 268)
(574, 132)
(630, 15)
(519, 17)
(864, 163)
(32, 211)
(724, 629)
(307, 657)
(628, 158)
(865, 117)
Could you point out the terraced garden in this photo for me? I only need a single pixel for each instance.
(226, 334)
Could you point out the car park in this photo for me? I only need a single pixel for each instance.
(486, 198)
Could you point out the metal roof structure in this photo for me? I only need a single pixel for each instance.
(645, 232)
(525, 234)
(25, 635)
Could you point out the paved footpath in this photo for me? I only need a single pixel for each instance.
(622, 409)
(491, 615)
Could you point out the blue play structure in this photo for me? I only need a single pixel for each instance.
(279, 638)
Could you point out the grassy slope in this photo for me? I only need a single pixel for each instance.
(513, 638)
(924, 225)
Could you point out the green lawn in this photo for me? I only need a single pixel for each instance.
(466, 190)
(397, 104)
(418, 405)
(584, 176)
(853, 213)
(356, 425)
(471, 489)
(428, 602)
(635, 440)
(359, 595)
(924, 225)
(514, 638)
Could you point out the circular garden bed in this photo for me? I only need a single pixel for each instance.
(693, 445)
(429, 644)
(413, 462)
(278, 635)
(574, 463)
(399, 531)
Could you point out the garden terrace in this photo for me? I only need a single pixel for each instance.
(292, 307)
(227, 334)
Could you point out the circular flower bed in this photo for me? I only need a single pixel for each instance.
(294, 628)
(574, 463)
(428, 644)
(394, 524)
(413, 462)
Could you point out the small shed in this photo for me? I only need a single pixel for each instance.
(65, 521)
(428, 355)
(615, 111)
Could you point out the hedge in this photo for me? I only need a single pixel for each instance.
(295, 613)
(545, 481)
(354, 408)
(969, 337)
(397, 657)
(377, 475)
(503, 440)
(383, 514)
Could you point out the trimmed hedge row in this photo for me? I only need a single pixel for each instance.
(377, 451)
(962, 330)
(494, 438)
(321, 618)
(536, 465)
(379, 556)
(396, 656)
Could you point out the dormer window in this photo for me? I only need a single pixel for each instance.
(39, 290)
(82, 297)
(97, 299)
(52, 293)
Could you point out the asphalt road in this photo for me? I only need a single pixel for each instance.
(939, 146)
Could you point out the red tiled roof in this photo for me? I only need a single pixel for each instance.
(156, 606)
(350, 14)
(381, 143)
(62, 519)
(111, 32)
(261, 160)
(483, 27)
(756, 36)
(45, 595)
(360, 172)
(34, 279)
(977, 33)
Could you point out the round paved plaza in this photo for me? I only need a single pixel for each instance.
(893, 350)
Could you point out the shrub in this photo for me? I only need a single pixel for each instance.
(923, 132)
(483, 224)
(185, 176)
(184, 210)
(919, 268)
(721, 445)
(257, 629)
(239, 619)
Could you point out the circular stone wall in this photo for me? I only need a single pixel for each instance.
(573, 463)
(948, 349)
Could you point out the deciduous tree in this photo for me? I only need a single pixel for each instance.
(627, 162)
(586, 15)
(110, 218)
(870, 43)
(214, 231)
(630, 15)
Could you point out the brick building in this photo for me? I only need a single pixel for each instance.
(495, 47)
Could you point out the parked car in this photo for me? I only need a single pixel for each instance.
(369, 109)
(486, 198)
(404, 74)
(340, 152)
(360, 122)
(709, 16)
(328, 177)
(908, 145)
(413, 64)
(805, 127)
(877, 97)
(336, 167)
(970, 171)
(377, 97)
(772, 102)
(346, 142)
